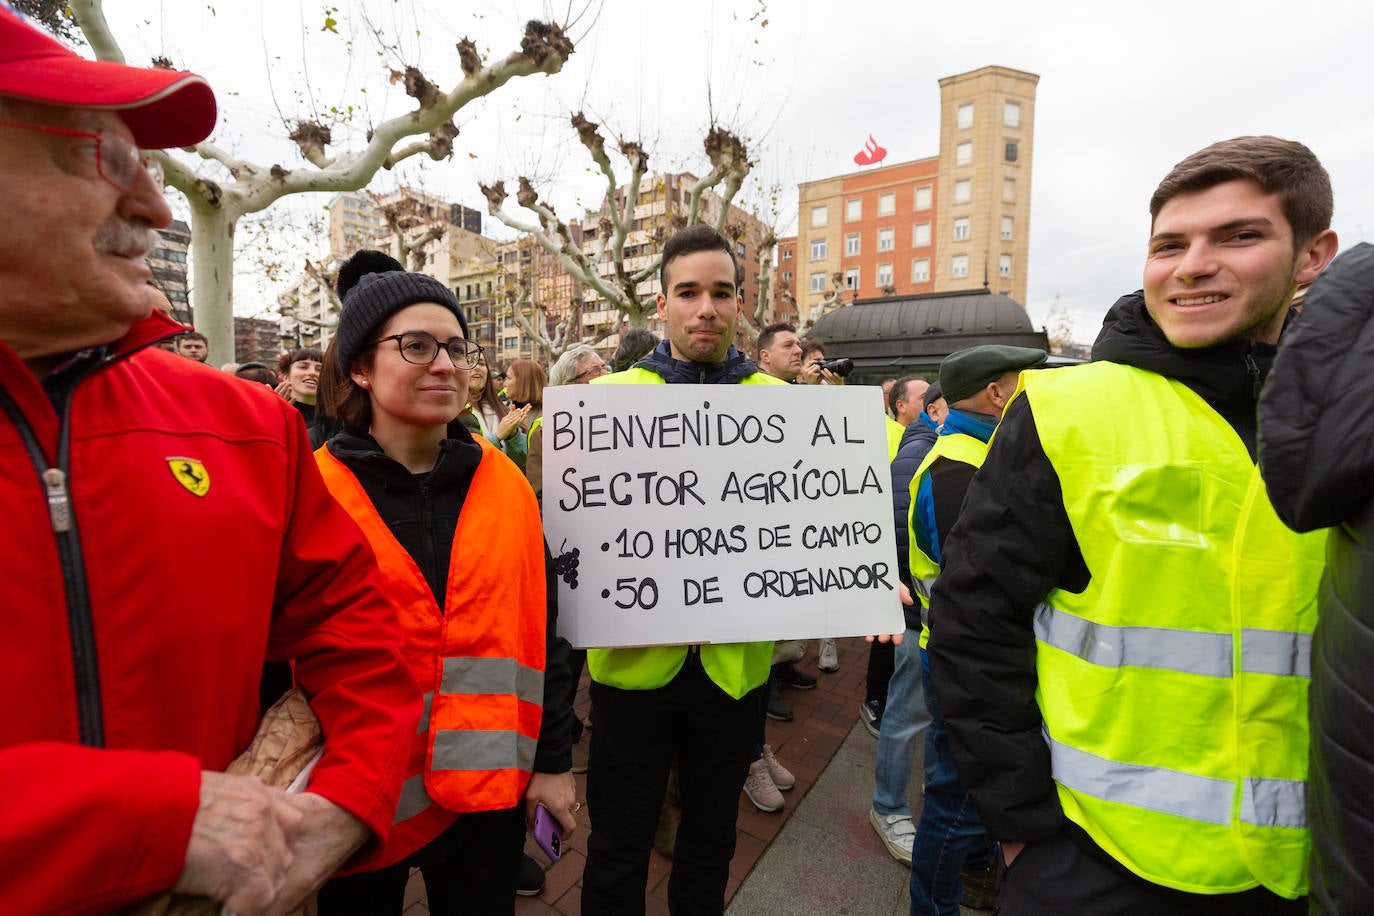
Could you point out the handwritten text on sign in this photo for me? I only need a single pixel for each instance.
(719, 513)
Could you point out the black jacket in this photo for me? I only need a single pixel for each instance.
(730, 371)
(421, 510)
(1317, 458)
(1012, 545)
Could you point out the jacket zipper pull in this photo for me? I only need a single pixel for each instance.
(59, 503)
(1252, 369)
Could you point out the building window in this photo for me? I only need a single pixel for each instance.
(961, 228)
(1006, 228)
(787, 254)
(1004, 266)
(887, 203)
(787, 276)
(510, 322)
(884, 275)
(1011, 114)
(920, 235)
(818, 282)
(963, 153)
(1011, 150)
(923, 196)
(920, 270)
(851, 278)
(963, 116)
(958, 267)
(1009, 190)
(820, 216)
(851, 244)
(817, 249)
(963, 191)
(512, 343)
(885, 240)
(853, 210)
(739, 249)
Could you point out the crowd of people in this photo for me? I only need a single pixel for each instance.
(1121, 577)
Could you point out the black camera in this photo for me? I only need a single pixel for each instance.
(841, 367)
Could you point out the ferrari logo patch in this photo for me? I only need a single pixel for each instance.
(191, 474)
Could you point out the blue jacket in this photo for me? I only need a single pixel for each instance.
(916, 441)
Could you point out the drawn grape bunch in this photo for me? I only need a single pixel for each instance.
(565, 565)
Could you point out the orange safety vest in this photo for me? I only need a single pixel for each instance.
(481, 665)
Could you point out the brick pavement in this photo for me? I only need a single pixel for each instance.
(824, 718)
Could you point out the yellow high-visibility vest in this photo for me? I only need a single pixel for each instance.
(1174, 687)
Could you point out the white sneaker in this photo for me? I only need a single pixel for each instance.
(829, 656)
(782, 776)
(758, 785)
(897, 831)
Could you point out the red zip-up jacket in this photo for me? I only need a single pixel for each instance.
(162, 535)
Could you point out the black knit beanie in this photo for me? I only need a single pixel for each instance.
(375, 298)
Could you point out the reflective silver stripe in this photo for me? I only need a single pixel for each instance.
(414, 799)
(463, 749)
(925, 616)
(1276, 652)
(1147, 647)
(1263, 802)
(1190, 651)
(1274, 802)
(493, 676)
(1198, 798)
(923, 586)
(424, 716)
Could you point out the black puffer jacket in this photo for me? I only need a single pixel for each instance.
(1013, 543)
(1317, 458)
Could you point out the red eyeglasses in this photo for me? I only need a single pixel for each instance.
(117, 160)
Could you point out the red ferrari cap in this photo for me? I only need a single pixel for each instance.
(162, 107)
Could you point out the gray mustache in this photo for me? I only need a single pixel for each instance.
(119, 237)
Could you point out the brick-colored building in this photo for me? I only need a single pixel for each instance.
(958, 220)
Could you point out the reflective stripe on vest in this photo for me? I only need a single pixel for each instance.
(476, 741)
(924, 570)
(735, 667)
(1174, 686)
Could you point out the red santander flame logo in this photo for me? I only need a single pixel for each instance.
(871, 154)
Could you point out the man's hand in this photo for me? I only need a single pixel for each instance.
(1010, 850)
(903, 593)
(558, 793)
(241, 844)
(328, 835)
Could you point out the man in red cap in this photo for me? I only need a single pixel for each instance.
(124, 470)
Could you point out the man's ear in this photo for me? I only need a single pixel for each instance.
(662, 302)
(1315, 255)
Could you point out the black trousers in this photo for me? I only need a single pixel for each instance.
(470, 868)
(637, 733)
(1058, 876)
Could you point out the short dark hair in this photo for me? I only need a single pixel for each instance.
(1282, 167)
(338, 396)
(635, 344)
(812, 346)
(898, 391)
(192, 335)
(695, 238)
(256, 372)
(296, 355)
(773, 330)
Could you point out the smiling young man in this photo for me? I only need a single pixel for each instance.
(1121, 627)
(702, 704)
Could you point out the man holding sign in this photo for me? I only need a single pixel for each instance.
(702, 703)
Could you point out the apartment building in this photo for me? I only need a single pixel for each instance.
(958, 220)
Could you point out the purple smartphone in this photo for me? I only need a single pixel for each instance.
(547, 833)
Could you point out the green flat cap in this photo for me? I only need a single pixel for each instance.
(965, 373)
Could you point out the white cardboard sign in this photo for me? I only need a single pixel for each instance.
(719, 513)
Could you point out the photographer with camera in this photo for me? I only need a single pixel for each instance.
(817, 370)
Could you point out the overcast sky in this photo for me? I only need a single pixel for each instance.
(1123, 95)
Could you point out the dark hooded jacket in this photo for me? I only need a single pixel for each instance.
(1012, 545)
(917, 439)
(1317, 458)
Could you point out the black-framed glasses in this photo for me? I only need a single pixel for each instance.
(117, 160)
(421, 348)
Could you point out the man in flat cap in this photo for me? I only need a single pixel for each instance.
(977, 384)
(126, 696)
(1122, 625)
